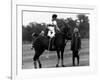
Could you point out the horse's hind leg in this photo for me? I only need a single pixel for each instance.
(35, 62)
(39, 62)
(35, 58)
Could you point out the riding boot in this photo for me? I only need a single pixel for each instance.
(52, 43)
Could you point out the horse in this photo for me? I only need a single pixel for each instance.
(42, 43)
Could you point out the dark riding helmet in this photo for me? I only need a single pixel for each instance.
(54, 16)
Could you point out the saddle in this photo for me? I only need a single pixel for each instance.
(51, 45)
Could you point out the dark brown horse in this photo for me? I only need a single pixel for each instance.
(42, 43)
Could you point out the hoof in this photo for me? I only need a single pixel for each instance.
(73, 64)
(77, 64)
(57, 65)
(40, 66)
(63, 66)
(35, 67)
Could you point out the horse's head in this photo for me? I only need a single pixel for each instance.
(65, 29)
(67, 32)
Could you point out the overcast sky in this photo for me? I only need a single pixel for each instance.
(42, 17)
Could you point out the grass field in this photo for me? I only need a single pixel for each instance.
(49, 58)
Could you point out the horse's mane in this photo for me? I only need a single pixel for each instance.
(62, 24)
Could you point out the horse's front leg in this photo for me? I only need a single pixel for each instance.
(58, 55)
(62, 60)
(40, 66)
(35, 64)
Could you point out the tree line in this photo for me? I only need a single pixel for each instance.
(34, 27)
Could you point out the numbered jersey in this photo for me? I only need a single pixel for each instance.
(51, 32)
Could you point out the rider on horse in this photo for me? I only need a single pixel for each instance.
(54, 22)
(53, 28)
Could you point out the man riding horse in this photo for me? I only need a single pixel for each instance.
(52, 30)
